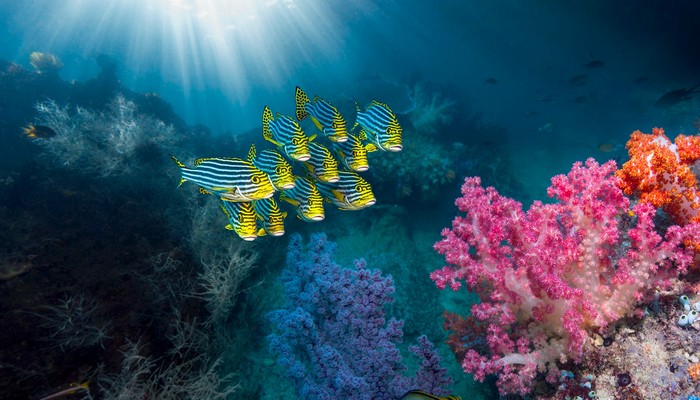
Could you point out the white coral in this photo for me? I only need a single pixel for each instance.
(432, 110)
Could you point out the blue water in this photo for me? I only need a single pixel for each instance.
(527, 88)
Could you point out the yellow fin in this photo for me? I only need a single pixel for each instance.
(179, 164)
(251, 153)
(266, 119)
(300, 99)
(312, 137)
(289, 200)
(229, 227)
(318, 124)
(362, 135)
(204, 191)
(339, 196)
(284, 214)
(371, 147)
(261, 232)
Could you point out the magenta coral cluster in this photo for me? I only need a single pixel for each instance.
(550, 276)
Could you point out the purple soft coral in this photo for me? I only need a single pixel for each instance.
(333, 337)
(549, 276)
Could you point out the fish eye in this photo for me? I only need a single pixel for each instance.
(255, 179)
(296, 141)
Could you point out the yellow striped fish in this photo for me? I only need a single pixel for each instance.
(351, 192)
(284, 132)
(307, 200)
(322, 164)
(231, 178)
(421, 395)
(242, 219)
(380, 127)
(274, 165)
(270, 216)
(325, 116)
(352, 153)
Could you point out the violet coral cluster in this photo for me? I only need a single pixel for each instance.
(550, 276)
(332, 336)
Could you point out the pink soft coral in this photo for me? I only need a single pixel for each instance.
(548, 276)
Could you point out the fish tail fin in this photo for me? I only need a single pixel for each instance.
(29, 131)
(251, 153)
(180, 165)
(301, 99)
(267, 117)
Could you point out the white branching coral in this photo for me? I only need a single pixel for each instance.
(103, 143)
(432, 110)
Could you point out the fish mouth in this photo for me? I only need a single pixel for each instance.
(396, 147)
(317, 218)
(303, 157)
(333, 179)
(371, 203)
(267, 196)
(340, 139)
(289, 186)
(280, 233)
(248, 238)
(362, 168)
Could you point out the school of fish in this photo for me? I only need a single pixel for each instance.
(251, 189)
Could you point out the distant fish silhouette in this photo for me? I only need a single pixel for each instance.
(674, 97)
(578, 80)
(491, 81)
(593, 64)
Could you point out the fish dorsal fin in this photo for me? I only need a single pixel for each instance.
(378, 103)
(251, 153)
(301, 99)
(266, 119)
(357, 107)
(199, 161)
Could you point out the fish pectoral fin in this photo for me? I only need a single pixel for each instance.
(289, 200)
(284, 214)
(261, 232)
(339, 196)
(371, 147)
(273, 141)
(318, 124)
(312, 137)
(229, 227)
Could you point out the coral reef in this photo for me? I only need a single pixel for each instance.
(101, 143)
(550, 277)
(432, 111)
(332, 336)
(662, 173)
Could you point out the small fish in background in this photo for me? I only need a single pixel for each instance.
(242, 219)
(306, 199)
(65, 390)
(594, 64)
(325, 116)
(578, 80)
(38, 132)
(351, 192)
(380, 126)
(322, 164)
(270, 216)
(274, 165)
(491, 81)
(675, 97)
(285, 133)
(548, 127)
(421, 395)
(352, 153)
(233, 179)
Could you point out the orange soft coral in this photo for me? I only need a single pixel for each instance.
(694, 372)
(659, 173)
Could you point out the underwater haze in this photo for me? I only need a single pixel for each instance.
(225, 199)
